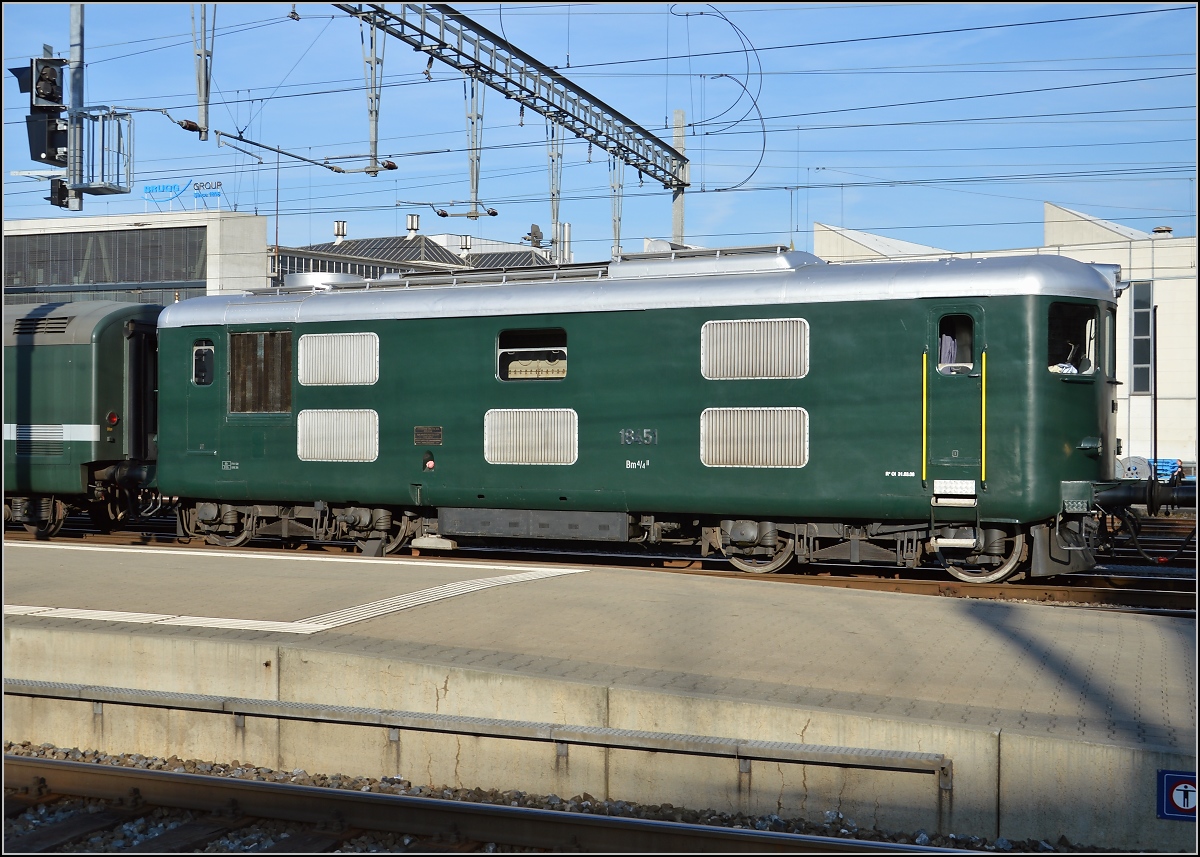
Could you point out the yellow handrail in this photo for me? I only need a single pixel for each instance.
(924, 412)
(983, 418)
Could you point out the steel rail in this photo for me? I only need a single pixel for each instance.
(1183, 603)
(520, 826)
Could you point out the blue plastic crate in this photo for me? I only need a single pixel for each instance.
(1164, 467)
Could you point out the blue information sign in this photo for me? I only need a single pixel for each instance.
(1177, 795)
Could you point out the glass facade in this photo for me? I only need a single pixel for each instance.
(1142, 341)
(116, 260)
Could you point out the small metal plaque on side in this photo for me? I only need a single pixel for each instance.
(427, 435)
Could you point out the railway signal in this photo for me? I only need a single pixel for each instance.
(45, 125)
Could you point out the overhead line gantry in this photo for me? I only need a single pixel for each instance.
(445, 34)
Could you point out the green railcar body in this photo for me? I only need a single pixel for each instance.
(79, 411)
(883, 426)
(67, 367)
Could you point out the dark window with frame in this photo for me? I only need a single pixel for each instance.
(1071, 339)
(260, 372)
(203, 362)
(1142, 336)
(532, 355)
(956, 345)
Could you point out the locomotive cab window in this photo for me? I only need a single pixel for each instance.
(532, 355)
(203, 362)
(260, 372)
(1071, 346)
(956, 345)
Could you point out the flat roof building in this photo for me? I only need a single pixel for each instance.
(148, 258)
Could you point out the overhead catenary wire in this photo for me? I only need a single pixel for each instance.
(718, 126)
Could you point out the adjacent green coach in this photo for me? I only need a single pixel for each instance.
(758, 404)
(79, 410)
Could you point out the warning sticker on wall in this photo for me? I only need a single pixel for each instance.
(1177, 795)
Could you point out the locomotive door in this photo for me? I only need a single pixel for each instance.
(205, 397)
(955, 379)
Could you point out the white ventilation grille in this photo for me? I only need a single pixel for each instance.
(754, 348)
(327, 359)
(36, 440)
(337, 435)
(535, 436)
(754, 437)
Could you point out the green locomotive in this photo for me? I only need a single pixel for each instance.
(80, 417)
(754, 403)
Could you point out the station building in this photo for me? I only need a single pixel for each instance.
(1157, 270)
(153, 258)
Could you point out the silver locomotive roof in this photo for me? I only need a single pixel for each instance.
(656, 281)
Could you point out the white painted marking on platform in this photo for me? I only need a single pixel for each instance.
(426, 596)
(283, 556)
(246, 624)
(99, 615)
(312, 625)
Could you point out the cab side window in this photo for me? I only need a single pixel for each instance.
(532, 355)
(956, 345)
(203, 362)
(1071, 345)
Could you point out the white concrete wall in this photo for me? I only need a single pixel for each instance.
(1012, 784)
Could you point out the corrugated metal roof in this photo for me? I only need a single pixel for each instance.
(415, 249)
(508, 259)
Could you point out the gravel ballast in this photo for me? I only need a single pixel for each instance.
(831, 823)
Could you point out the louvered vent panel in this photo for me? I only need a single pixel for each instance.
(39, 440)
(327, 359)
(535, 436)
(31, 326)
(351, 435)
(754, 437)
(754, 348)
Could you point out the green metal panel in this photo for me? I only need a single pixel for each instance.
(47, 386)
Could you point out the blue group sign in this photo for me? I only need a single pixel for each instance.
(1177, 795)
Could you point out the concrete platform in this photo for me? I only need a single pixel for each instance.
(1056, 720)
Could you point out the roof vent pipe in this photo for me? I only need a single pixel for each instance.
(414, 224)
(339, 231)
(1162, 231)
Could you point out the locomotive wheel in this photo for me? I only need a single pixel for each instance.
(998, 574)
(236, 540)
(397, 537)
(49, 529)
(765, 566)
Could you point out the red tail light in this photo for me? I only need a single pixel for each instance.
(113, 418)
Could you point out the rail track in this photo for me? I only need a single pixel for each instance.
(333, 817)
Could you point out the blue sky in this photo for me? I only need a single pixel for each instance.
(873, 117)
